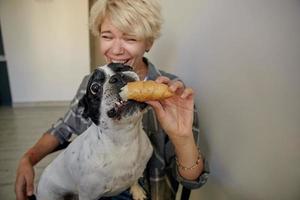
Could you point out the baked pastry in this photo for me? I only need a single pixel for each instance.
(145, 90)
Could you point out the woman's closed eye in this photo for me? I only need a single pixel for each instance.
(130, 39)
(107, 37)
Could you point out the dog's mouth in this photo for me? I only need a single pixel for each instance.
(125, 108)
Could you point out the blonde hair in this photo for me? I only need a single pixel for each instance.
(141, 18)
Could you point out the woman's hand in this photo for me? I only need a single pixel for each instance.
(24, 179)
(175, 114)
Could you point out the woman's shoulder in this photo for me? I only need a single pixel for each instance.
(168, 74)
(154, 72)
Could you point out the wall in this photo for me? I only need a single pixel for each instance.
(243, 60)
(47, 47)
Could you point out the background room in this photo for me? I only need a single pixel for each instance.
(241, 57)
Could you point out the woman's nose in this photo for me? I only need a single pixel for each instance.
(117, 47)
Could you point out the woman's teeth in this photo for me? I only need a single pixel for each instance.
(119, 61)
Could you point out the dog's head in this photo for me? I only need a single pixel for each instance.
(102, 99)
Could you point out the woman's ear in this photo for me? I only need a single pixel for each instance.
(149, 44)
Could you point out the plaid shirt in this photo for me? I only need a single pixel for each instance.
(161, 177)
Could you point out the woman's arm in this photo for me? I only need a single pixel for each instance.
(25, 172)
(45, 145)
(175, 115)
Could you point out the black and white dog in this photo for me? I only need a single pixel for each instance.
(111, 154)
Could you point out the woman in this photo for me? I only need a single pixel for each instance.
(127, 29)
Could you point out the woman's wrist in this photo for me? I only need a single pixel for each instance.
(190, 167)
(30, 156)
(187, 154)
(190, 172)
(188, 157)
(182, 140)
(25, 160)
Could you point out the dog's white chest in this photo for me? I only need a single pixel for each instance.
(98, 154)
(95, 164)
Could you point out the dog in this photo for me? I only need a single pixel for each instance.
(111, 154)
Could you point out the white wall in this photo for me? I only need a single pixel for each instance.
(243, 60)
(47, 47)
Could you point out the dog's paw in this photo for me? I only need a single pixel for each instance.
(137, 192)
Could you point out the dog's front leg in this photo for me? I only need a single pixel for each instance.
(82, 197)
(88, 195)
(137, 192)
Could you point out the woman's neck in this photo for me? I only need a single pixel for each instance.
(141, 70)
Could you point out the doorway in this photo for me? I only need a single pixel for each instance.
(96, 58)
(5, 95)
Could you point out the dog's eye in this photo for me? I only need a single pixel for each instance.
(113, 79)
(95, 88)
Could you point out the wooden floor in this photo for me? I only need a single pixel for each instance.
(20, 128)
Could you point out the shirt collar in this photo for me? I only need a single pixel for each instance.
(153, 72)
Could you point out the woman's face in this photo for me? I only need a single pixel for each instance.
(119, 47)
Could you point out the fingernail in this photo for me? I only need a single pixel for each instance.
(173, 88)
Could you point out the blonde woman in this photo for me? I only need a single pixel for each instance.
(127, 30)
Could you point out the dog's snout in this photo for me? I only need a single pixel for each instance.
(112, 113)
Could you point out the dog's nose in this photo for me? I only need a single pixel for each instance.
(112, 113)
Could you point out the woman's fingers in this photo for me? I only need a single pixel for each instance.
(187, 93)
(163, 79)
(175, 86)
(20, 189)
(29, 186)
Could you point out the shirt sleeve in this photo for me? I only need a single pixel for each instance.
(72, 122)
(202, 179)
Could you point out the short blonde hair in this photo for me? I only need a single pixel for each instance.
(141, 18)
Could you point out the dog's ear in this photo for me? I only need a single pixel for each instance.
(91, 101)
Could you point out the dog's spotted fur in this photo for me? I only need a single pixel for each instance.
(109, 156)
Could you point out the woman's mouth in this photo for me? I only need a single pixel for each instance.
(120, 61)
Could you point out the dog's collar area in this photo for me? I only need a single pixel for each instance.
(143, 105)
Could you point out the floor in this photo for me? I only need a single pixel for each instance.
(20, 128)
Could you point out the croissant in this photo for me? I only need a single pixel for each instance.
(145, 90)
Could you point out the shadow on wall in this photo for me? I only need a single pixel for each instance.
(242, 59)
